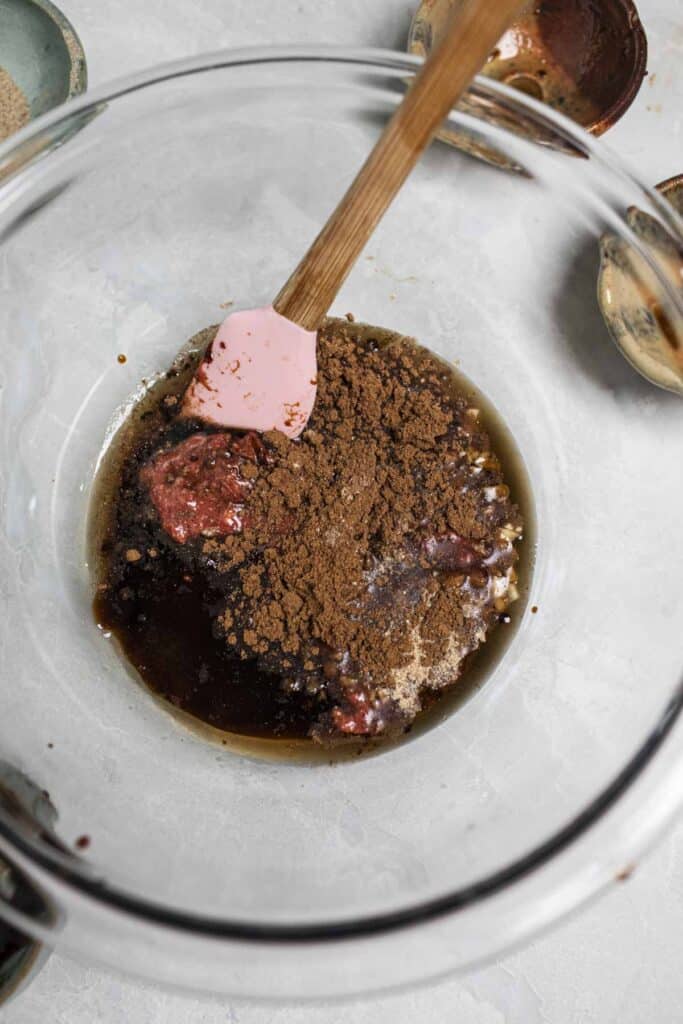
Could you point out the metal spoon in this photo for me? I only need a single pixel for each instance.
(585, 59)
(649, 334)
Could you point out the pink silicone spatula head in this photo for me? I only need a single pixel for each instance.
(260, 371)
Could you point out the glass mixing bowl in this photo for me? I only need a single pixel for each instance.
(128, 219)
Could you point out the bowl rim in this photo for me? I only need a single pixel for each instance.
(75, 878)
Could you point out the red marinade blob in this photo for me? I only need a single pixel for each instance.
(198, 487)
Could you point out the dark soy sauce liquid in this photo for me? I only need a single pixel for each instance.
(160, 615)
(165, 632)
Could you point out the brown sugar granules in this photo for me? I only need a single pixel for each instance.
(14, 108)
(379, 547)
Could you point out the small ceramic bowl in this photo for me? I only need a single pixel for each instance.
(41, 51)
(637, 322)
(586, 60)
(21, 956)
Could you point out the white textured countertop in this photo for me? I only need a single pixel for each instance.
(618, 961)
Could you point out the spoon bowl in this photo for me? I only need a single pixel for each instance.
(586, 60)
(637, 321)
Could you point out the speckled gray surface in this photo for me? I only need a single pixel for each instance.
(618, 961)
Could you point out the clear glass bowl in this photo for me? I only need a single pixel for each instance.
(128, 218)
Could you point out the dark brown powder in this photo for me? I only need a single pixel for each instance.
(380, 546)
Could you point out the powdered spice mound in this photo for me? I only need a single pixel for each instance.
(379, 548)
(14, 108)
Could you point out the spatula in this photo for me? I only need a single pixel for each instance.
(260, 371)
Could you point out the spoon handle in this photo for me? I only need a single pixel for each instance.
(473, 30)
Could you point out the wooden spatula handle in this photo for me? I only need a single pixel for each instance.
(474, 29)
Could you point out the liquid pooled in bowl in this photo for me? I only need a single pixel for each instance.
(332, 587)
